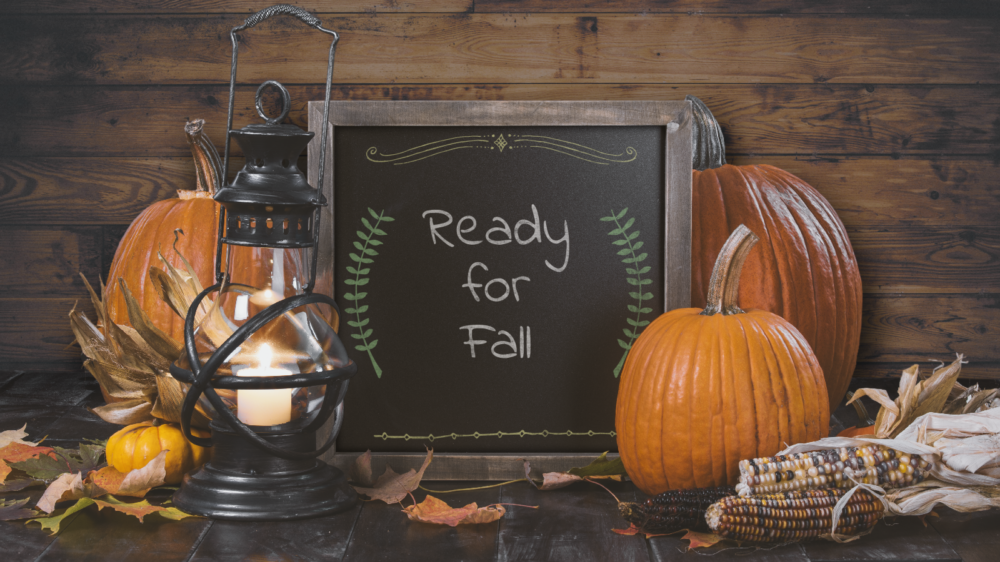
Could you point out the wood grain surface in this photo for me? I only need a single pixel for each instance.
(476, 48)
(890, 109)
(826, 119)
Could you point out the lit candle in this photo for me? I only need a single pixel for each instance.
(264, 407)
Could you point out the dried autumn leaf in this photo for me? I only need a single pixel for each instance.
(361, 470)
(556, 480)
(392, 487)
(20, 484)
(631, 531)
(138, 482)
(18, 452)
(10, 511)
(4, 471)
(433, 510)
(52, 523)
(701, 540)
(157, 339)
(44, 467)
(15, 436)
(137, 509)
(68, 486)
(600, 466)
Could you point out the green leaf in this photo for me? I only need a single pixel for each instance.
(172, 513)
(633, 308)
(628, 224)
(350, 282)
(351, 269)
(600, 467)
(637, 245)
(645, 269)
(643, 323)
(367, 224)
(640, 258)
(371, 252)
(373, 213)
(357, 336)
(615, 232)
(350, 310)
(629, 333)
(635, 323)
(607, 219)
(364, 281)
(375, 242)
(359, 246)
(367, 333)
(645, 296)
(635, 295)
(372, 344)
(52, 523)
(624, 252)
(628, 260)
(624, 345)
(350, 296)
(632, 281)
(379, 231)
(634, 235)
(645, 310)
(646, 282)
(620, 242)
(355, 324)
(43, 468)
(360, 295)
(360, 259)
(360, 347)
(387, 219)
(362, 309)
(621, 214)
(362, 235)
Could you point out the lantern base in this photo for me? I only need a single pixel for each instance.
(242, 482)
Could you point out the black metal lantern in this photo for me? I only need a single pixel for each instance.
(266, 346)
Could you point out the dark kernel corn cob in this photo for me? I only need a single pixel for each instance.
(673, 510)
(832, 468)
(792, 516)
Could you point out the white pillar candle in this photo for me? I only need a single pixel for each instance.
(264, 407)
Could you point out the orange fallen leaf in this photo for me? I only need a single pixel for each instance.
(855, 431)
(361, 471)
(112, 481)
(701, 540)
(631, 531)
(20, 452)
(4, 471)
(392, 487)
(433, 510)
(138, 509)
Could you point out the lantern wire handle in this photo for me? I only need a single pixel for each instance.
(311, 21)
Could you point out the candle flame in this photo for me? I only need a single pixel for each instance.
(264, 355)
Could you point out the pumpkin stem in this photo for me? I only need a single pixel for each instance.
(724, 287)
(709, 148)
(207, 164)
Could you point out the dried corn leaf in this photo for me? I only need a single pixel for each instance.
(90, 338)
(169, 400)
(156, 338)
(114, 387)
(162, 283)
(127, 412)
(181, 289)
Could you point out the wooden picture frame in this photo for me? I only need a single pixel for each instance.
(676, 119)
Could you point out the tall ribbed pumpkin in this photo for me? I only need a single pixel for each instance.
(805, 270)
(703, 389)
(193, 212)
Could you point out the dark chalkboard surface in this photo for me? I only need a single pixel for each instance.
(491, 279)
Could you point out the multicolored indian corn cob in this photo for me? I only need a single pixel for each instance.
(832, 468)
(673, 510)
(792, 516)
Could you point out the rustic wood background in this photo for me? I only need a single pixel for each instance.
(890, 108)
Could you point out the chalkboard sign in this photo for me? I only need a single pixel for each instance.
(494, 261)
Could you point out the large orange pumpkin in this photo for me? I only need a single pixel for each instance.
(703, 389)
(193, 212)
(805, 270)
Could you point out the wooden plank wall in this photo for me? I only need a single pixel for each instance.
(891, 109)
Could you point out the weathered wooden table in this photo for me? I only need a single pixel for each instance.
(572, 524)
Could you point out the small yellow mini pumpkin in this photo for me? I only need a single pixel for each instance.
(134, 446)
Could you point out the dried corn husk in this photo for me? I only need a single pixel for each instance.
(964, 455)
(937, 393)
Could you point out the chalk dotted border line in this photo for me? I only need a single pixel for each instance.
(498, 434)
